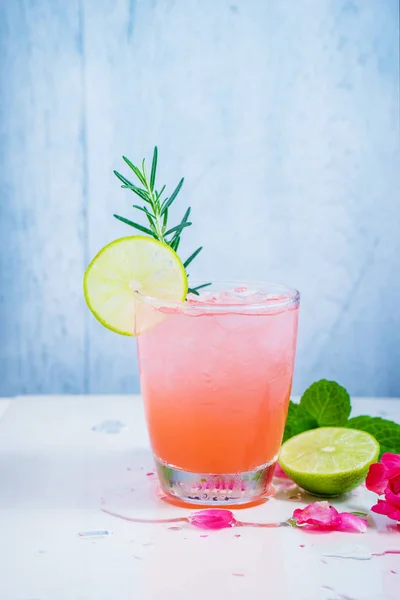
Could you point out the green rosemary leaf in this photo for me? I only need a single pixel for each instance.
(174, 243)
(192, 256)
(186, 215)
(130, 186)
(178, 228)
(151, 223)
(139, 192)
(167, 202)
(199, 287)
(165, 219)
(145, 210)
(193, 291)
(153, 168)
(160, 193)
(136, 171)
(136, 225)
(151, 218)
(156, 211)
(142, 208)
(123, 179)
(164, 207)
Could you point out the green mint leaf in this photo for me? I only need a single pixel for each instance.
(387, 433)
(327, 402)
(297, 421)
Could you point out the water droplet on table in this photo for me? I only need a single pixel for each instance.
(109, 427)
(349, 556)
(94, 534)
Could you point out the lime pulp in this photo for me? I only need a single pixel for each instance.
(128, 265)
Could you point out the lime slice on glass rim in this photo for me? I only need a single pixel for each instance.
(329, 461)
(128, 265)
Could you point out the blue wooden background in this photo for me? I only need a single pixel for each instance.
(282, 115)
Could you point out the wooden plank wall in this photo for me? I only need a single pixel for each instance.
(284, 119)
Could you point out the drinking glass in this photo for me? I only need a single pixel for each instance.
(216, 374)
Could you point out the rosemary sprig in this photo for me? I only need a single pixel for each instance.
(156, 211)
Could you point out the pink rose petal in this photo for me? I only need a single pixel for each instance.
(380, 474)
(213, 518)
(350, 522)
(323, 516)
(384, 508)
(392, 463)
(377, 478)
(394, 485)
(384, 478)
(391, 497)
(279, 472)
(320, 514)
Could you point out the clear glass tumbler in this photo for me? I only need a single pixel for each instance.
(216, 374)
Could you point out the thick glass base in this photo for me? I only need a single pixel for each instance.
(215, 489)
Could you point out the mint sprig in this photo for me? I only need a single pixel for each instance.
(327, 404)
(297, 421)
(386, 433)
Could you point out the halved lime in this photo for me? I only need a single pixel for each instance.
(128, 265)
(329, 461)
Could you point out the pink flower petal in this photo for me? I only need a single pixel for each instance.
(350, 522)
(384, 508)
(279, 472)
(391, 498)
(213, 518)
(377, 478)
(394, 485)
(392, 463)
(323, 516)
(320, 514)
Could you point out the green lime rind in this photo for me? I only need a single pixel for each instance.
(329, 461)
(127, 264)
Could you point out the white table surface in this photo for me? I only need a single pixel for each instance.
(56, 474)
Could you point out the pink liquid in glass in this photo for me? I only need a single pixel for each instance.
(216, 375)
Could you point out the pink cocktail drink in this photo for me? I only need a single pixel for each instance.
(216, 375)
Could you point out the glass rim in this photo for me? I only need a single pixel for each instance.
(290, 296)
